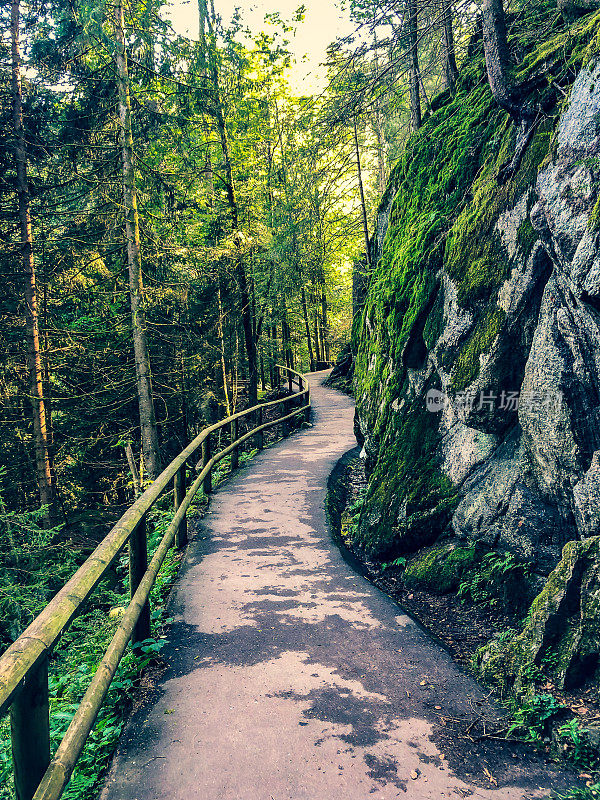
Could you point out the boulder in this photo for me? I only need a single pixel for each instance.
(561, 637)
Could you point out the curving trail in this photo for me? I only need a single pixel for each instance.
(292, 677)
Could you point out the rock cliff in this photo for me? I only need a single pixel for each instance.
(478, 349)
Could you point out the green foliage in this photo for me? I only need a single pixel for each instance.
(34, 564)
(74, 661)
(397, 562)
(497, 578)
(350, 518)
(530, 721)
(587, 793)
(576, 746)
(441, 568)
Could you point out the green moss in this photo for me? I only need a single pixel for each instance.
(447, 203)
(570, 48)
(440, 569)
(475, 257)
(526, 236)
(467, 365)
(594, 221)
(558, 634)
(409, 500)
(434, 323)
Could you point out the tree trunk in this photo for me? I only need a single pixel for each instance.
(317, 345)
(242, 281)
(450, 68)
(149, 432)
(273, 358)
(414, 72)
(287, 339)
(324, 326)
(378, 124)
(362, 194)
(307, 327)
(34, 356)
(222, 350)
(497, 57)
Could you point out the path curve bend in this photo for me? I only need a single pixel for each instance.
(290, 677)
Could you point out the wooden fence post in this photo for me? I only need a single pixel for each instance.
(260, 436)
(181, 537)
(138, 564)
(30, 731)
(207, 483)
(305, 402)
(235, 456)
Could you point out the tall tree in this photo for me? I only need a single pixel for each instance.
(248, 327)
(450, 68)
(414, 77)
(34, 356)
(497, 56)
(363, 204)
(149, 432)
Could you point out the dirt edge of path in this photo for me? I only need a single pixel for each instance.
(457, 627)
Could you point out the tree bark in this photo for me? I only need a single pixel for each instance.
(414, 72)
(307, 327)
(324, 325)
(497, 57)
(223, 360)
(450, 68)
(34, 357)
(317, 344)
(286, 337)
(273, 357)
(241, 278)
(363, 205)
(149, 432)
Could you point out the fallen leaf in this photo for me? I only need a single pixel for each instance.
(438, 708)
(423, 683)
(414, 775)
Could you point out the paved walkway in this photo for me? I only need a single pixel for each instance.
(290, 676)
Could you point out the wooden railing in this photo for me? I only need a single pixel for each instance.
(24, 666)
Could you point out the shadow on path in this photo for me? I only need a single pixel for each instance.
(290, 676)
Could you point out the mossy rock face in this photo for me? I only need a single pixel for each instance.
(461, 270)
(561, 637)
(440, 569)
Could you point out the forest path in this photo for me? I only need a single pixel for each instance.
(290, 676)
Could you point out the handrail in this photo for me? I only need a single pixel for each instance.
(23, 667)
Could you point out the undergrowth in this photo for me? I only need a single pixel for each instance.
(34, 565)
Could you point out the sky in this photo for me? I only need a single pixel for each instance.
(324, 21)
